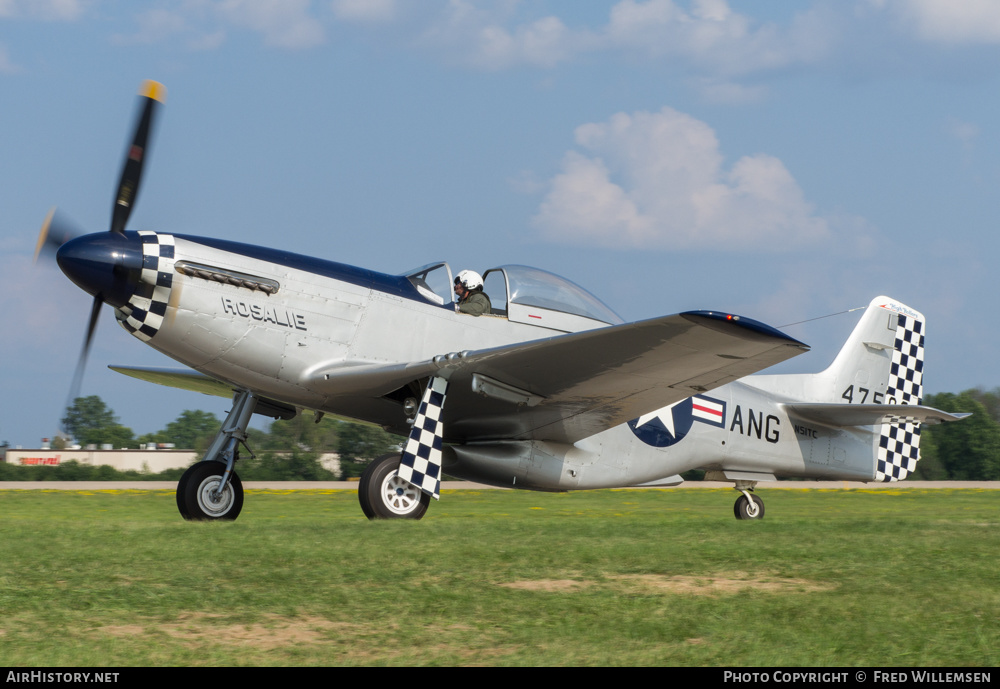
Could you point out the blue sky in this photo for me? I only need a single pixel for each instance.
(780, 160)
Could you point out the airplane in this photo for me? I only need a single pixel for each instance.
(549, 390)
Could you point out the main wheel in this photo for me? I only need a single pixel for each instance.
(195, 493)
(181, 488)
(745, 509)
(384, 495)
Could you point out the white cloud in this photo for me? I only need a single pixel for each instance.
(708, 34)
(544, 42)
(189, 22)
(283, 23)
(203, 24)
(707, 37)
(657, 180)
(948, 21)
(155, 25)
(364, 10)
(481, 36)
(711, 36)
(59, 10)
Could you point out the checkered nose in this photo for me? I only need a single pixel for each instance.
(106, 265)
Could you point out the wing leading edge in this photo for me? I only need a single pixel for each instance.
(186, 379)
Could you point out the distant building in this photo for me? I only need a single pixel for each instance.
(151, 461)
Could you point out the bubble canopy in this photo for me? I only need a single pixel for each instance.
(539, 288)
(522, 294)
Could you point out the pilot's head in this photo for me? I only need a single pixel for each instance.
(467, 281)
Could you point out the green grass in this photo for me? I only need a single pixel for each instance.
(884, 578)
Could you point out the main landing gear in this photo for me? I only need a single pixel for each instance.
(384, 495)
(211, 489)
(748, 505)
(400, 486)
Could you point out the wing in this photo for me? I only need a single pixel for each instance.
(572, 386)
(186, 379)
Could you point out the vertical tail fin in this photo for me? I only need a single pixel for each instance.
(882, 363)
(883, 359)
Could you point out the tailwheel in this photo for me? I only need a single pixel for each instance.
(199, 498)
(748, 506)
(384, 495)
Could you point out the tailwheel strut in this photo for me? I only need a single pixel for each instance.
(748, 505)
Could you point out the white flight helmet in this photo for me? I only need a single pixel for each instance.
(469, 279)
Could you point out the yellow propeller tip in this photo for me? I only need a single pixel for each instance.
(43, 234)
(153, 89)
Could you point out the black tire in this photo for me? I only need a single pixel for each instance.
(181, 487)
(383, 495)
(743, 510)
(194, 500)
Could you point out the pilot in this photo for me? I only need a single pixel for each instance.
(471, 297)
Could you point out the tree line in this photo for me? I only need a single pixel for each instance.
(967, 450)
(288, 450)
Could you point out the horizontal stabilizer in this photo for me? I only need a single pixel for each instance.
(843, 415)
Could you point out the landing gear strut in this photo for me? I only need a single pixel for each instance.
(400, 486)
(211, 489)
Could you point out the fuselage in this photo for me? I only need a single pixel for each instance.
(273, 322)
(736, 431)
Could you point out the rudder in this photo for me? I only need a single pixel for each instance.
(899, 443)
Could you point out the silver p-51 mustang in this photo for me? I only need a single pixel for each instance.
(549, 390)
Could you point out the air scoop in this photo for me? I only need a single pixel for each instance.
(107, 265)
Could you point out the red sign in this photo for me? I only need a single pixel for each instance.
(39, 461)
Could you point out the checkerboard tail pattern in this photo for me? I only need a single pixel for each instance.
(421, 462)
(143, 314)
(899, 442)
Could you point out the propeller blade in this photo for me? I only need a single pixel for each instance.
(56, 231)
(152, 93)
(81, 364)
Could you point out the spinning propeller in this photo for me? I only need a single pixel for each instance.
(107, 265)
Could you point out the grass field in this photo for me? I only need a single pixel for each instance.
(880, 578)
